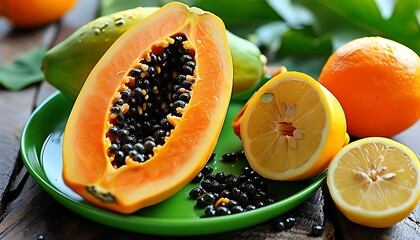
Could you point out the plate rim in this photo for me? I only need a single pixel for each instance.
(149, 225)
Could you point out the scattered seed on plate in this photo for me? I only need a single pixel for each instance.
(317, 230)
(290, 222)
(229, 194)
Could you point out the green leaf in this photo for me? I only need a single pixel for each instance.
(111, 6)
(241, 17)
(292, 12)
(329, 23)
(309, 65)
(386, 7)
(24, 71)
(304, 43)
(268, 36)
(402, 26)
(239, 11)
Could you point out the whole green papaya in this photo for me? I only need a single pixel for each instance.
(249, 65)
(67, 65)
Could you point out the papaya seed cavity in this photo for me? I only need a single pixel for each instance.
(156, 90)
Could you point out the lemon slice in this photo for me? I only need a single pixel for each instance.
(292, 127)
(375, 181)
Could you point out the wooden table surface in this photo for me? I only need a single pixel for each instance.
(28, 212)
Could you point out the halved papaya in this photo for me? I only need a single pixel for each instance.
(150, 113)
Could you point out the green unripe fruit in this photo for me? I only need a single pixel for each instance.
(67, 65)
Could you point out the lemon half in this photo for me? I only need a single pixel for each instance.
(375, 181)
(292, 127)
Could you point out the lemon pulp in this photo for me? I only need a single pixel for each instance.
(284, 121)
(375, 181)
(292, 127)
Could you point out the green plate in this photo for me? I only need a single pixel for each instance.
(41, 151)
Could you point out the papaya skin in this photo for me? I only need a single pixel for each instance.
(249, 65)
(67, 65)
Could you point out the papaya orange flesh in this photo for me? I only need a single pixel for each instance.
(132, 140)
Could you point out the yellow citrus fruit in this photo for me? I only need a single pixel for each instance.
(377, 81)
(236, 123)
(375, 181)
(34, 13)
(292, 127)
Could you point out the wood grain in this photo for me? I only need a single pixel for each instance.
(16, 107)
(28, 212)
(43, 216)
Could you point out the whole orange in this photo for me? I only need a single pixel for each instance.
(377, 82)
(34, 13)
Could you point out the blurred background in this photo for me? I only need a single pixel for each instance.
(299, 34)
